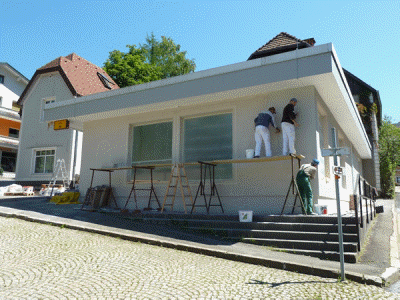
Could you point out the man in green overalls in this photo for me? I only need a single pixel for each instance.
(306, 172)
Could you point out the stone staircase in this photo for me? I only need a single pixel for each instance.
(307, 235)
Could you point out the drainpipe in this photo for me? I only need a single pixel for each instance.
(74, 163)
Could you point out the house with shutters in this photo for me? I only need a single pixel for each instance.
(63, 79)
(208, 116)
(12, 84)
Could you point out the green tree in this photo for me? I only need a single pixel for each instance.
(389, 156)
(151, 61)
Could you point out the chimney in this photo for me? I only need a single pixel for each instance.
(310, 41)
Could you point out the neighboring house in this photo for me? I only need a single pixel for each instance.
(369, 106)
(209, 115)
(12, 84)
(41, 146)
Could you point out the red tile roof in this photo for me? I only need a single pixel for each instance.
(280, 43)
(80, 75)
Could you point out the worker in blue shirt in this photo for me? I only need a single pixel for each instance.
(262, 122)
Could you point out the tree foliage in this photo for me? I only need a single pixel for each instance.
(151, 61)
(389, 156)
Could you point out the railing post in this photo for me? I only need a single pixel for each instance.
(357, 222)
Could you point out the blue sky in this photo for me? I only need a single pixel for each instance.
(365, 34)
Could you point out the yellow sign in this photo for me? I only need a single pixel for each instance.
(61, 124)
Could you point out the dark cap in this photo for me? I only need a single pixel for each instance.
(293, 99)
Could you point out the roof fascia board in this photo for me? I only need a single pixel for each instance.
(15, 72)
(255, 63)
(58, 69)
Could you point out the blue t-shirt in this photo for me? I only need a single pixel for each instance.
(264, 119)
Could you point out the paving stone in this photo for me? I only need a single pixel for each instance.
(47, 262)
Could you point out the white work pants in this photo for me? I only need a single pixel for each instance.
(288, 136)
(262, 133)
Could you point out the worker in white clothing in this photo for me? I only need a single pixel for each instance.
(288, 124)
(262, 122)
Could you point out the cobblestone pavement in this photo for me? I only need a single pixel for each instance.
(39, 261)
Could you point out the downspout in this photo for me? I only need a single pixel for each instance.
(72, 185)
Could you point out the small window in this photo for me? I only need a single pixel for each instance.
(106, 82)
(398, 179)
(44, 161)
(1, 101)
(49, 101)
(1, 79)
(13, 132)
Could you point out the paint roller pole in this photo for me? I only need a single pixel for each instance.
(340, 229)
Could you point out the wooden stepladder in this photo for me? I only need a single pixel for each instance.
(178, 174)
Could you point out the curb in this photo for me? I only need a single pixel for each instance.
(379, 281)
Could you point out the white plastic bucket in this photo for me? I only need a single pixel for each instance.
(249, 153)
(245, 216)
(321, 209)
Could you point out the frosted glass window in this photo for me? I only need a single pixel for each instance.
(152, 144)
(208, 138)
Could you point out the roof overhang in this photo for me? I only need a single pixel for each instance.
(16, 73)
(316, 66)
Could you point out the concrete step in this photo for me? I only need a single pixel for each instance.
(302, 227)
(300, 245)
(277, 234)
(349, 257)
(257, 218)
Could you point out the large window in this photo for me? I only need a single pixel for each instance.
(152, 144)
(44, 161)
(208, 138)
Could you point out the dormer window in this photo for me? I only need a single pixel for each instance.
(106, 82)
(1, 78)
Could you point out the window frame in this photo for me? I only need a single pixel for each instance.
(18, 130)
(131, 147)
(34, 151)
(204, 115)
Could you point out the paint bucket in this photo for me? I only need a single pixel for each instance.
(249, 153)
(245, 216)
(321, 209)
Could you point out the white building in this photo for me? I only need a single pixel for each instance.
(12, 84)
(40, 145)
(209, 115)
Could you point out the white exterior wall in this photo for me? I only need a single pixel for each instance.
(36, 134)
(352, 163)
(260, 187)
(11, 89)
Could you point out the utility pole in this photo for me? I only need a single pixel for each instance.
(339, 215)
(335, 151)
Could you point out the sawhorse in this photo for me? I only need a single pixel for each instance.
(89, 198)
(134, 189)
(201, 188)
(293, 185)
